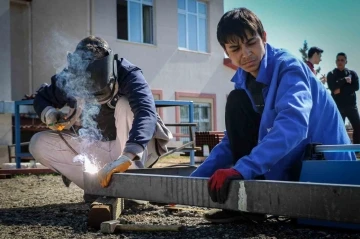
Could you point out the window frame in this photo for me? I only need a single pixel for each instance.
(141, 2)
(198, 105)
(198, 98)
(198, 16)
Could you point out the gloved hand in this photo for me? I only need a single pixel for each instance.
(52, 117)
(218, 185)
(117, 166)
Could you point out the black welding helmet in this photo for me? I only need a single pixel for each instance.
(96, 74)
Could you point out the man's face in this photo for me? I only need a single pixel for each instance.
(341, 62)
(247, 54)
(317, 58)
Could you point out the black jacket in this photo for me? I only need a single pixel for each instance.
(133, 85)
(347, 95)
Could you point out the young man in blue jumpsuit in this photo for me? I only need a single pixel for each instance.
(277, 108)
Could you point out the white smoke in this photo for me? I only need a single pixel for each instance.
(74, 81)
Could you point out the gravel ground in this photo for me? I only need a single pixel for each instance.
(42, 207)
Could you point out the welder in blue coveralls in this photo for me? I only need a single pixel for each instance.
(277, 108)
(113, 117)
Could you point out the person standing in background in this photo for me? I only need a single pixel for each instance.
(343, 84)
(314, 58)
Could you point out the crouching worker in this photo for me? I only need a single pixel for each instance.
(112, 118)
(276, 109)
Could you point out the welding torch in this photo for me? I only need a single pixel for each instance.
(65, 121)
(61, 124)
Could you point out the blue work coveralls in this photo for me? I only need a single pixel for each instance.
(133, 85)
(298, 111)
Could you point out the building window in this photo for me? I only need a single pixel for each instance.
(204, 113)
(135, 20)
(202, 116)
(192, 25)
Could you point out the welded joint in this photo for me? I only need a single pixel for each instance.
(242, 197)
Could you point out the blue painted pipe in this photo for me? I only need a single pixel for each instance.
(338, 148)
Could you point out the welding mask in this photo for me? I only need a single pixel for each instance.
(99, 74)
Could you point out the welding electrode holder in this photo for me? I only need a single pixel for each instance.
(64, 122)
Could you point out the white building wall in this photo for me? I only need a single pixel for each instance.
(5, 79)
(57, 26)
(20, 22)
(5, 46)
(164, 65)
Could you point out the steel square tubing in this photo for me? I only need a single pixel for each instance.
(332, 202)
(174, 171)
(338, 148)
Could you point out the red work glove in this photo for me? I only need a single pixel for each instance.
(218, 185)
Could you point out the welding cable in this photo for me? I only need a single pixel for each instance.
(68, 119)
(74, 112)
(72, 149)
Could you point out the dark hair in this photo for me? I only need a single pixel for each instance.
(314, 50)
(236, 23)
(341, 54)
(95, 46)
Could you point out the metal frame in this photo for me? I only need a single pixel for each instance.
(18, 153)
(332, 202)
(172, 103)
(158, 103)
(27, 171)
(178, 171)
(338, 148)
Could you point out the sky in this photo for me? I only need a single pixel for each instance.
(333, 25)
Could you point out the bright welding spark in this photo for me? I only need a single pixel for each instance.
(88, 163)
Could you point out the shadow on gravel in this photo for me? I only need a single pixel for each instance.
(71, 216)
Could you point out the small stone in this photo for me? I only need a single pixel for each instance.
(323, 233)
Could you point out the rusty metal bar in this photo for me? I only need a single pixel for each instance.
(27, 171)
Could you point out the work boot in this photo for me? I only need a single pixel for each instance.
(66, 181)
(228, 216)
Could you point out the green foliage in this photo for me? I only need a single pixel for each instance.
(304, 51)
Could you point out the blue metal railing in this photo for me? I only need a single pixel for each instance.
(158, 103)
